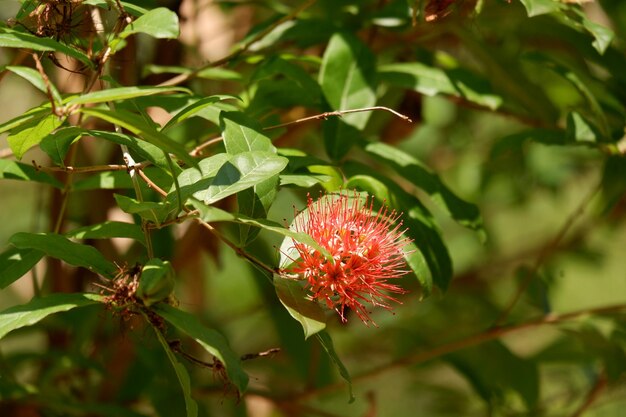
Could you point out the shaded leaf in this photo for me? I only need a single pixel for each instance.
(14, 263)
(12, 170)
(327, 344)
(34, 77)
(191, 406)
(62, 248)
(307, 312)
(109, 229)
(414, 171)
(10, 38)
(212, 341)
(152, 211)
(57, 144)
(41, 307)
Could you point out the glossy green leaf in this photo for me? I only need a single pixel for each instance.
(414, 171)
(347, 77)
(191, 406)
(39, 308)
(22, 140)
(243, 171)
(212, 341)
(242, 134)
(431, 81)
(14, 263)
(10, 38)
(62, 248)
(327, 344)
(27, 118)
(308, 313)
(107, 230)
(303, 180)
(57, 144)
(119, 94)
(12, 170)
(160, 23)
(191, 110)
(139, 127)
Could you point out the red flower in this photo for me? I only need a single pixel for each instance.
(366, 249)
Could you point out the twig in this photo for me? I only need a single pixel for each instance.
(94, 168)
(181, 78)
(198, 149)
(545, 252)
(150, 183)
(339, 113)
(46, 81)
(593, 394)
(473, 340)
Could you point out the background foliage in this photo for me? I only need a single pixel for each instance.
(510, 176)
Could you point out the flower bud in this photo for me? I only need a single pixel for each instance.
(156, 282)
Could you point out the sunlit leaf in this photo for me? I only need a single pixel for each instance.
(30, 135)
(12, 170)
(107, 230)
(160, 23)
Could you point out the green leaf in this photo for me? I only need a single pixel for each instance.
(194, 108)
(431, 81)
(30, 135)
(108, 180)
(212, 341)
(327, 344)
(196, 180)
(152, 211)
(12, 170)
(160, 23)
(62, 248)
(243, 171)
(347, 77)
(191, 406)
(57, 144)
(603, 36)
(109, 229)
(34, 77)
(242, 134)
(580, 130)
(308, 313)
(145, 150)
(13, 39)
(119, 94)
(27, 118)
(412, 170)
(139, 127)
(41, 307)
(255, 203)
(303, 180)
(14, 263)
(539, 7)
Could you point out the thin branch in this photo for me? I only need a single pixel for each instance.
(94, 168)
(181, 78)
(546, 252)
(339, 113)
(46, 81)
(592, 396)
(150, 183)
(198, 149)
(473, 340)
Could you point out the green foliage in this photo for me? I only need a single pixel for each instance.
(144, 190)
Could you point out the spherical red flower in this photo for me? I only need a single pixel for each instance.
(366, 251)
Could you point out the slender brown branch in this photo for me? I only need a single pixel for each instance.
(546, 252)
(473, 340)
(150, 183)
(339, 113)
(46, 81)
(198, 149)
(593, 394)
(181, 78)
(94, 168)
